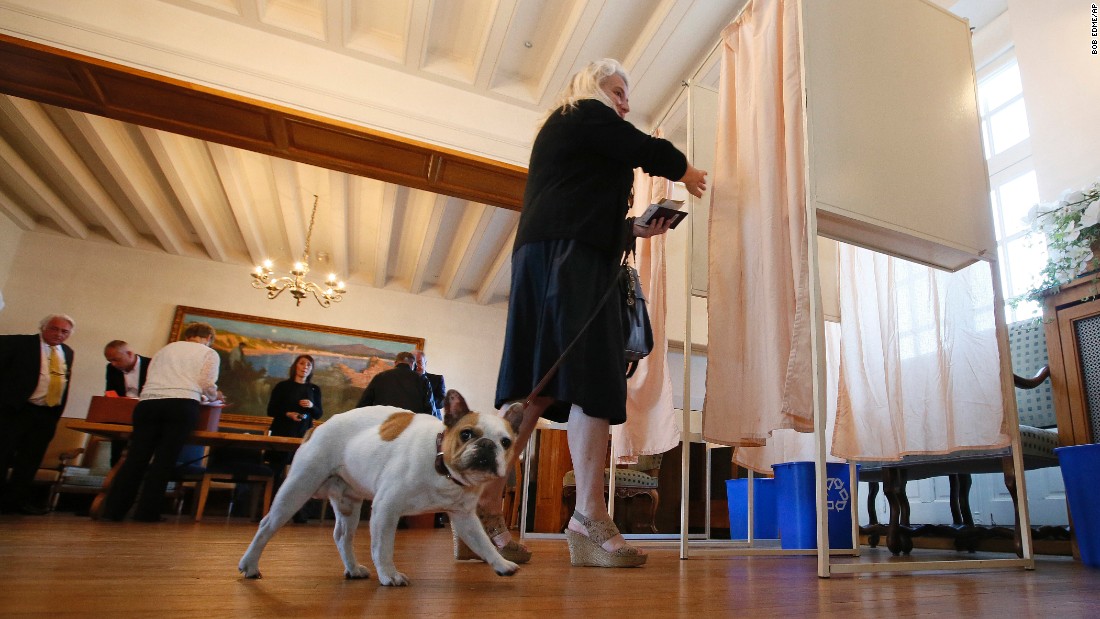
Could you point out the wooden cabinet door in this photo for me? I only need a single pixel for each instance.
(1072, 323)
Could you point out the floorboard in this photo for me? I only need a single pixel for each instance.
(62, 565)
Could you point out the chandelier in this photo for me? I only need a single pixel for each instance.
(296, 282)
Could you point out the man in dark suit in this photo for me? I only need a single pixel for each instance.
(435, 382)
(34, 386)
(400, 386)
(438, 391)
(125, 377)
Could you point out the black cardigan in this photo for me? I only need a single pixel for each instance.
(581, 173)
(284, 399)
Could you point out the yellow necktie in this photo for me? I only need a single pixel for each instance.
(57, 379)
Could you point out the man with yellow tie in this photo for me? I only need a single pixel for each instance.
(34, 385)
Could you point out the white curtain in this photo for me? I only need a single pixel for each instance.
(650, 426)
(758, 375)
(790, 445)
(919, 367)
(920, 359)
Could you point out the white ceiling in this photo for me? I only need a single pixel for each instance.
(441, 70)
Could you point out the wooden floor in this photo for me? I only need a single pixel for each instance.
(61, 565)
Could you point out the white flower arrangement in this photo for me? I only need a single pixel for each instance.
(1070, 227)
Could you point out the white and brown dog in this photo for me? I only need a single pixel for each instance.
(406, 464)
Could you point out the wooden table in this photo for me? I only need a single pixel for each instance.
(198, 437)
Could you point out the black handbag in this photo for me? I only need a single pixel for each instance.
(637, 332)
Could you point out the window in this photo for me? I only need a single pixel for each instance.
(1013, 185)
(1021, 256)
(925, 329)
(1004, 117)
(917, 328)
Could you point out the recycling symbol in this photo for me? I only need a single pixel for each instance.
(841, 493)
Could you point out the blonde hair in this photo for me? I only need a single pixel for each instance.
(585, 84)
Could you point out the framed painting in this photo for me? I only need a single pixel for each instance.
(256, 353)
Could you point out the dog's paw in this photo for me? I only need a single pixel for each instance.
(397, 579)
(249, 571)
(505, 568)
(360, 571)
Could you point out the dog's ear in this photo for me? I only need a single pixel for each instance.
(454, 407)
(514, 415)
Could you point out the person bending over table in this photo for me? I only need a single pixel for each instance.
(126, 374)
(181, 375)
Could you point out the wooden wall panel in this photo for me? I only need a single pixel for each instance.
(384, 159)
(477, 179)
(27, 74)
(554, 462)
(186, 111)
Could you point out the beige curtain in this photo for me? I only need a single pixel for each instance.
(920, 358)
(758, 375)
(791, 445)
(650, 426)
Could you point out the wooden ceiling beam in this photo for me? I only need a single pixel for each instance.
(34, 125)
(118, 151)
(25, 181)
(20, 217)
(429, 238)
(495, 276)
(387, 214)
(199, 212)
(471, 230)
(58, 77)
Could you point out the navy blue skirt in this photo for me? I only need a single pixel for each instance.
(556, 286)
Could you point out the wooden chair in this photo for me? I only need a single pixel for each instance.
(632, 481)
(232, 467)
(1037, 450)
(85, 474)
(66, 447)
(1028, 350)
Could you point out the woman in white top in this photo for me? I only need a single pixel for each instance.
(181, 375)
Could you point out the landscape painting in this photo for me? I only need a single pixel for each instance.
(256, 353)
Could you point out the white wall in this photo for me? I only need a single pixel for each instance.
(128, 294)
(1061, 81)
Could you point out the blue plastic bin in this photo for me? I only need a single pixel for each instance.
(797, 505)
(765, 525)
(1080, 470)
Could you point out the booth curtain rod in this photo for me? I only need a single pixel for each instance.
(698, 70)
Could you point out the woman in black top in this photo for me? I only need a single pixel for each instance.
(572, 232)
(293, 405)
(296, 402)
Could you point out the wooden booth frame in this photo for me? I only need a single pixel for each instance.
(256, 353)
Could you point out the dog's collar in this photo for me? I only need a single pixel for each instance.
(440, 467)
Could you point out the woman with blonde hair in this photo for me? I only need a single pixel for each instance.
(572, 233)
